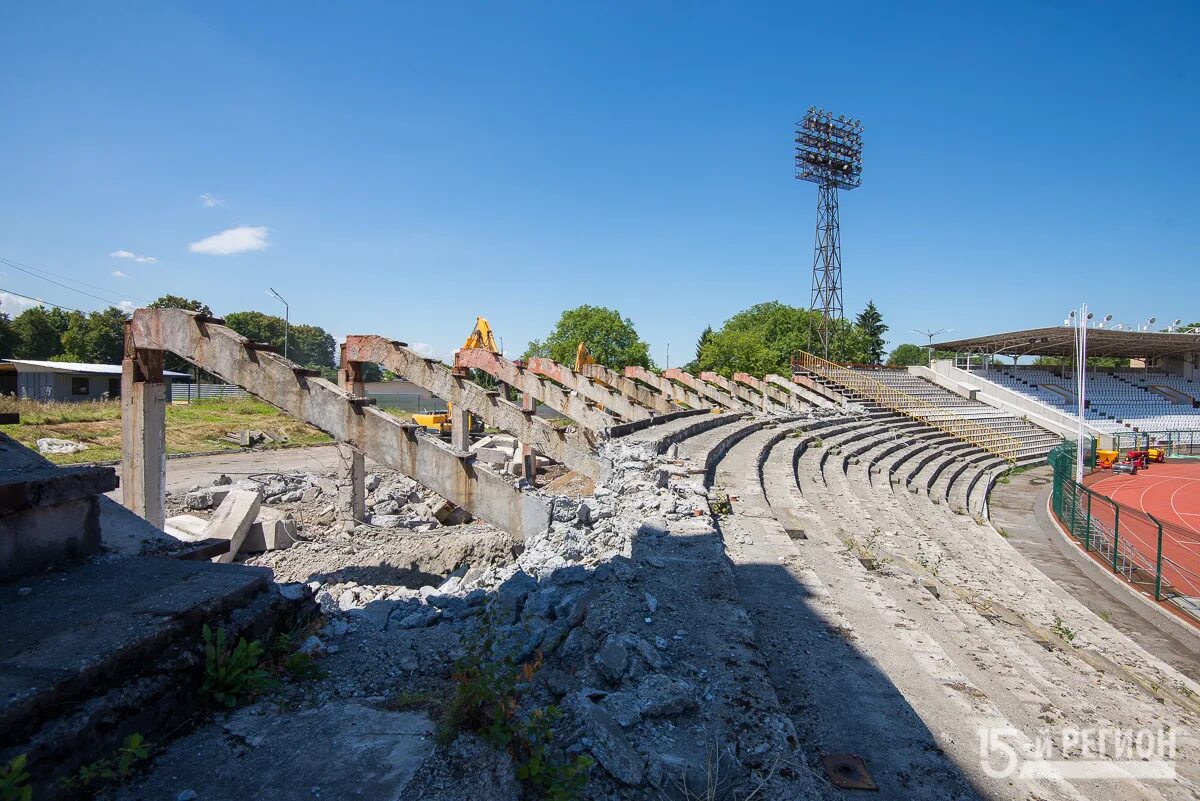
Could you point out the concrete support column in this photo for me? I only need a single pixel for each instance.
(352, 465)
(460, 428)
(528, 455)
(143, 432)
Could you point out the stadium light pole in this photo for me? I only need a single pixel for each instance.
(929, 332)
(287, 319)
(828, 154)
(1081, 320)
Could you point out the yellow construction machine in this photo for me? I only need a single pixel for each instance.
(439, 422)
(582, 356)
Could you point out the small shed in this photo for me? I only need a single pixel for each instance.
(65, 381)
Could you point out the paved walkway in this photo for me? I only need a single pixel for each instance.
(1019, 510)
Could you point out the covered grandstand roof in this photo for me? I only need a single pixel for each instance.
(1060, 341)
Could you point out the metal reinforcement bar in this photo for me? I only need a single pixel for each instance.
(570, 447)
(630, 389)
(568, 404)
(345, 417)
(971, 431)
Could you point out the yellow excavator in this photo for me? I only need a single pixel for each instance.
(582, 356)
(439, 423)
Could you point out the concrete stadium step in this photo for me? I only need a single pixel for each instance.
(957, 624)
(662, 436)
(959, 490)
(813, 672)
(943, 488)
(111, 648)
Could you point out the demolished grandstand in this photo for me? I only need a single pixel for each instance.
(774, 587)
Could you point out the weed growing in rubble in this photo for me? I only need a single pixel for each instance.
(232, 675)
(718, 504)
(485, 701)
(116, 768)
(14, 780)
(1061, 629)
(294, 664)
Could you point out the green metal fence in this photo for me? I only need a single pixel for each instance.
(1176, 443)
(1161, 559)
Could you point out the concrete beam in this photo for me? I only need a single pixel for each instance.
(143, 432)
(803, 393)
(384, 438)
(743, 393)
(673, 392)
(632, 390)
(784, 399)
(614, 402)
(568, 404)
(572, 448)
(715, 395)
(352, 465)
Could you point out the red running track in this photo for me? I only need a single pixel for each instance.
(1171, 493)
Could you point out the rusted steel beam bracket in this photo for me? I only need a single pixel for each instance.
(385, 439)
(614, 402)
(568, 404)
(671, 391)
(715, 395)
(632, 390)
(571, 447)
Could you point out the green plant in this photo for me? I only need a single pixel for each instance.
(1062, 630)
(406, 700)
(287, 660)
(1000, 530)
(1106, 615)
(116, 768)
(551, 778)
(487, 693)
(232, 675)
(817, 443)
(718, 504)
(14, 780)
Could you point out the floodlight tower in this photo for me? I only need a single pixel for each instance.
(828, 154)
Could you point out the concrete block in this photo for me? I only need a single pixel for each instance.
(272, 530)
(206, 498)
(186, 527)
(493, 456)
(233, 519)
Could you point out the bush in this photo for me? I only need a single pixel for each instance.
(232, 675)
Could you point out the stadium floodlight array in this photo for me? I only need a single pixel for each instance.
(828, 154)
(829, 149)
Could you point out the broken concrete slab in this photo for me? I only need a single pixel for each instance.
(233, 519)
(186, 527)
(260, 753)
(271, 530)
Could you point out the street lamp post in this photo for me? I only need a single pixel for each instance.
(1081, 320)
(931, 334)
(287, 319)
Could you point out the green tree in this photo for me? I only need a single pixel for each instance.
(8, 337)
(98, 337)
(611, 339)
(39, 331)
(870, 322)
(177, 302)
(309, 345)
(761, 339)
(907, 355)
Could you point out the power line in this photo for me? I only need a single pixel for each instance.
(36, 273)
(39, 300)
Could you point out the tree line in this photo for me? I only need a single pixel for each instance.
(98, 337)
(759, 340)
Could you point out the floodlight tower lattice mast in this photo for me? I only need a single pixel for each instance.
(828, 154)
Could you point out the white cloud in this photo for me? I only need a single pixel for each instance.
(12, 305)
(424, 349)
(125, 254)
(210, 200)
(243, 239)
(127, 305)
(119, 274)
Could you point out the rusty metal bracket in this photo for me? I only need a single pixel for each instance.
(848, 772)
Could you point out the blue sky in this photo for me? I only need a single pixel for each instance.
(401, 169)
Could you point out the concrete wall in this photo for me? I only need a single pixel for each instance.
(966, 384)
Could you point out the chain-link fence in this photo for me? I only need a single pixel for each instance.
(1175, 443)
(1162, 559)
